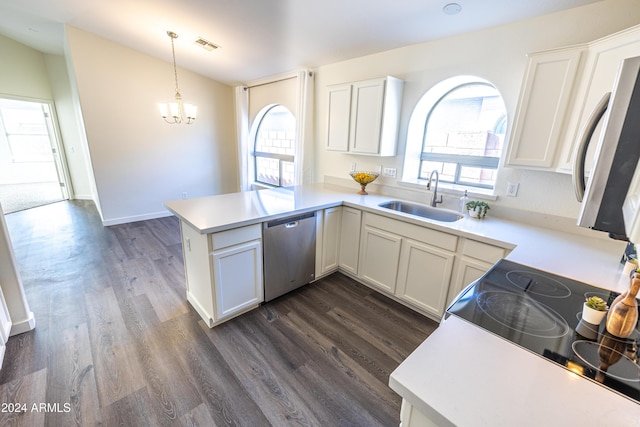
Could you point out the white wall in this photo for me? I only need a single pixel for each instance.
(139, 161)
(73, 141)
(498, 55)
(23, 72)
(32, 75)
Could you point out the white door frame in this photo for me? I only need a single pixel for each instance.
(55, 139)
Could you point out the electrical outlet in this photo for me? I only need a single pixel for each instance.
(185, 195)
(389, 172)
(512, 189)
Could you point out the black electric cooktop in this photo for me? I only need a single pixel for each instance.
(541, 312)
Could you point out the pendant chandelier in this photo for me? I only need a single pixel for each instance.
(177, 112)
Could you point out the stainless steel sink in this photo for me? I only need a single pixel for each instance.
(424, 211)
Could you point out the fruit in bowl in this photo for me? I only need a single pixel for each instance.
(363, 178)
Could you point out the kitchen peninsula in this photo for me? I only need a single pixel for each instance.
(461, 375)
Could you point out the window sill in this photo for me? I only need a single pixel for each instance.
(452, 189)
(260, 186)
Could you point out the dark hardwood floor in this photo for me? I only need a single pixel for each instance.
(116, 342)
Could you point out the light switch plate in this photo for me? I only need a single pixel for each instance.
(389, 172)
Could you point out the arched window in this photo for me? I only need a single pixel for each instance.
(457, 128)
(274, 148)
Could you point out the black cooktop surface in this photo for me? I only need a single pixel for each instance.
(541, 312)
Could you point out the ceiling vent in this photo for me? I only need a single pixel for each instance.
(205, 44)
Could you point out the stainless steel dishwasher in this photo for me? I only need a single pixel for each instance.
(289, 254)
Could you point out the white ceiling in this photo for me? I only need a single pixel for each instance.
(260, 38)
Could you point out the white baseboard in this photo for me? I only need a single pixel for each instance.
(128, 219)
(23, 326)
(208, 319)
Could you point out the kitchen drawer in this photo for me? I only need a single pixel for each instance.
(236, 236)
(482, 251)
(416, 232)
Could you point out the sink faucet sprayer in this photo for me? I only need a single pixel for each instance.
(434, 199)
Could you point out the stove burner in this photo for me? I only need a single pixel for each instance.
(538, 284)
(607, 357)
(522, 314)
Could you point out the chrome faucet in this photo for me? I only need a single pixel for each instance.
(434, 199)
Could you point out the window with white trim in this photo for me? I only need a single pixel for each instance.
(275, 146)
(458, 128)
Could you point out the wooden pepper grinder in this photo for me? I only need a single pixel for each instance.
(623, 314)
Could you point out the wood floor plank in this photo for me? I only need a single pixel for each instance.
(166, 230)
(343, 371)
(198, 417)
(228, 401)
(376, 361)
(26, 394)
(271, 391)
(138, 241)
(25, 354)
(172, 397)
(118, 371)
(116, 339)
(74, 380)
(140, 276)
(134, 409)
(404, 326)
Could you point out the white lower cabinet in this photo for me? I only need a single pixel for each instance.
(379, 256)
(329, 240)
(350, 239)
(476, 258)
(410, 416)
(237, 272)
(424, 275)
(419, 266)
(416, 265)
(410, 262)
(223, 271)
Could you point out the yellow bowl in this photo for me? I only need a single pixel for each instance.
(363, 177)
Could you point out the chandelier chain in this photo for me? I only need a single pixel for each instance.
(177, 112)
(173, 53)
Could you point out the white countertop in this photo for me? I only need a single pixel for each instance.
(464, 376)
(591, 260)
(462, 373)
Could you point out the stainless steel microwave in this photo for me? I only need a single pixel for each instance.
(616, 155)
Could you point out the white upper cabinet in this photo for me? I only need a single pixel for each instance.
(544, 98)
(339, 101)
(560, 90)
(363, 116)
(602, 63)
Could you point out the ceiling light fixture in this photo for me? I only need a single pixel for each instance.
(451, 9)
(177, 112)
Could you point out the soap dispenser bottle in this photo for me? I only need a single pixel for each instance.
(463, 203)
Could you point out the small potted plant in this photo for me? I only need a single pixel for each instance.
(594, 310)
(477, 209)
